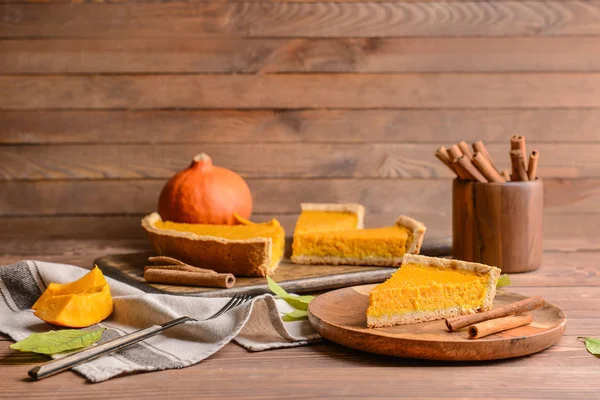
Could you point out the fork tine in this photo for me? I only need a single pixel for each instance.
(241, 300)
(225, 307)
(235, 301)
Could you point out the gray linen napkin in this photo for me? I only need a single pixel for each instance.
(256, 325)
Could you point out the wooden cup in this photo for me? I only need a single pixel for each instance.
(498, 224)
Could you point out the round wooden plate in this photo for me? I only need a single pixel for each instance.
(340, 316)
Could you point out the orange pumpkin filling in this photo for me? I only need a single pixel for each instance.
(334, 234)
(389, 242)
(423, 288)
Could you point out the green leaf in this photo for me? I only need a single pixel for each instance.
(58, 341)
(295, 316)
(504, 280)
(592, 345)
(298, 302)
(275, 288)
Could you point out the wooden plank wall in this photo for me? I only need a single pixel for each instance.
(330, 101)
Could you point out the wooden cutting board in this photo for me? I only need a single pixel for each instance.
(340, 316)
(129, 268)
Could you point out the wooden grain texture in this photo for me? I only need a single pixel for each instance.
(272, 196)
(340, 316)
(298, 126)
(584, 229)
(243, 1)
(574, 303)
(310, 101)
(68, 251)
(329, 370)
(565, 371)
(277, 160)
(418, 90)
(290, 19)
(74, 247)
(563, 269)
(267, 55)
(579, 269)
(498, 224)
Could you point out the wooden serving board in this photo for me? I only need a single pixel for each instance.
(129, 268)
(340, 316)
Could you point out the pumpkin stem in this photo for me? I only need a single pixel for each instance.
(202, 159)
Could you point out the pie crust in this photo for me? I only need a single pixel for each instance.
(241, 257)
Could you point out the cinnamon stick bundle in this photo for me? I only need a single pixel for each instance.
(519, 307)
(492, 326)
(484, 166)
(518, 166)
(187, 278)
(477, 164)
(176, 272)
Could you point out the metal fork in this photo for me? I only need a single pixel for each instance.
(62, 364)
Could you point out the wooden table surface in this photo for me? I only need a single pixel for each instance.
(570, 280)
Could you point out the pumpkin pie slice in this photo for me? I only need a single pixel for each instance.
(334, 234)
(247, 249)
(429, 288)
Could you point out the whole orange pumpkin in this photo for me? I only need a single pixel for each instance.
(205, 194)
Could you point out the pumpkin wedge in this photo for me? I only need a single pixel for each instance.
(78, 304)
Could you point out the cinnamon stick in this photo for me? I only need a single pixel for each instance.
(517, 142)
(484, 166)
(518, 307)
(442, 154)
(533, 163)
(461, 171)
(464, 147)
(468, 166)
(479, 147)
(180, 267)
(498, 325)
(166, 260)
(506, 175)
(518, 167)
(454, 152)
(187, 278)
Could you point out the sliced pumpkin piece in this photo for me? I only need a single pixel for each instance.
(78, 304)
